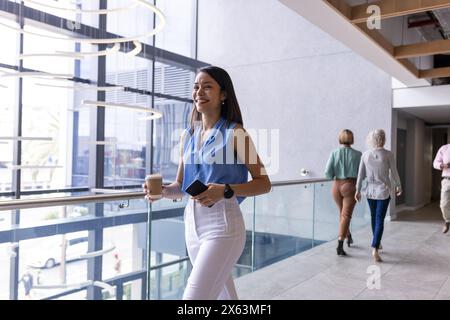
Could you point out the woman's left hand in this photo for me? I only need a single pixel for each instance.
(212, 195)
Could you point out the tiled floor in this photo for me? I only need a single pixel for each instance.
(416, 266)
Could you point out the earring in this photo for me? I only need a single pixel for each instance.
(223, 102)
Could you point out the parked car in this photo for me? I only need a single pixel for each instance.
(50, 253)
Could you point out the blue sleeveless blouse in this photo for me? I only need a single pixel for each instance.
(214, 161)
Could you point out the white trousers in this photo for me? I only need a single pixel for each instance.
(445, 199)
(215, 239)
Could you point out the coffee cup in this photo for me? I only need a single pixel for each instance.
(154, 186)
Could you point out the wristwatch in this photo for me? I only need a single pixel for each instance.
(228, 193)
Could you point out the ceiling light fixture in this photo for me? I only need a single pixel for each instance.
(136, 50)
(148, 118)
(18, 167)
(156, 114)
(155, 10)
(74, 55)
(32, 74)
(76, 10)
(83, 87)
(27, 138)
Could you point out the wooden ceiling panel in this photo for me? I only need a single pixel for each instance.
(422, 49)
(397, 8)
(394, 8)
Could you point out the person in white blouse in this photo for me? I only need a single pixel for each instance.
(442, 162)
(375, 166)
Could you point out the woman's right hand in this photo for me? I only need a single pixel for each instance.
(358, 196)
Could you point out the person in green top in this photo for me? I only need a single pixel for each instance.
(342, 166)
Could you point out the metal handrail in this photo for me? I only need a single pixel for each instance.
(65, 190)
(295, 182)
(63, 201)
(168, 264)
(73, 200)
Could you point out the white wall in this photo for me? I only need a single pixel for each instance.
(291, 76)
(432, 96)
(419, 161)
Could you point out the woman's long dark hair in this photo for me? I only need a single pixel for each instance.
(230, 109)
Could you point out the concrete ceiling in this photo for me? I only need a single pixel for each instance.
(431, 114)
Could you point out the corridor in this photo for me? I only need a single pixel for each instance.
(416, 258)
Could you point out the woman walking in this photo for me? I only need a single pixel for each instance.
(217, 151)
(375, 166)
(342, 166)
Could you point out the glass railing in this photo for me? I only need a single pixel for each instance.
(86, 249)
(95, 246)
(294, 217)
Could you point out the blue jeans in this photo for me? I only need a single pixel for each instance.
(378, 209)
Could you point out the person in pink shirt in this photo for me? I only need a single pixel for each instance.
(442, 162)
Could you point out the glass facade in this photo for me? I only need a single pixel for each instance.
(52, 144)
(67, 134)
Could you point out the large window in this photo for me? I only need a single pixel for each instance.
(8, 103)
(54, 143)
(45, 160)
(179, 35)
(176, 82)
(64, 141)
(126, 132)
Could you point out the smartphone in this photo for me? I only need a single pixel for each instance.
(197, 187)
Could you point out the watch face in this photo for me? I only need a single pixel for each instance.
(228, 192)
